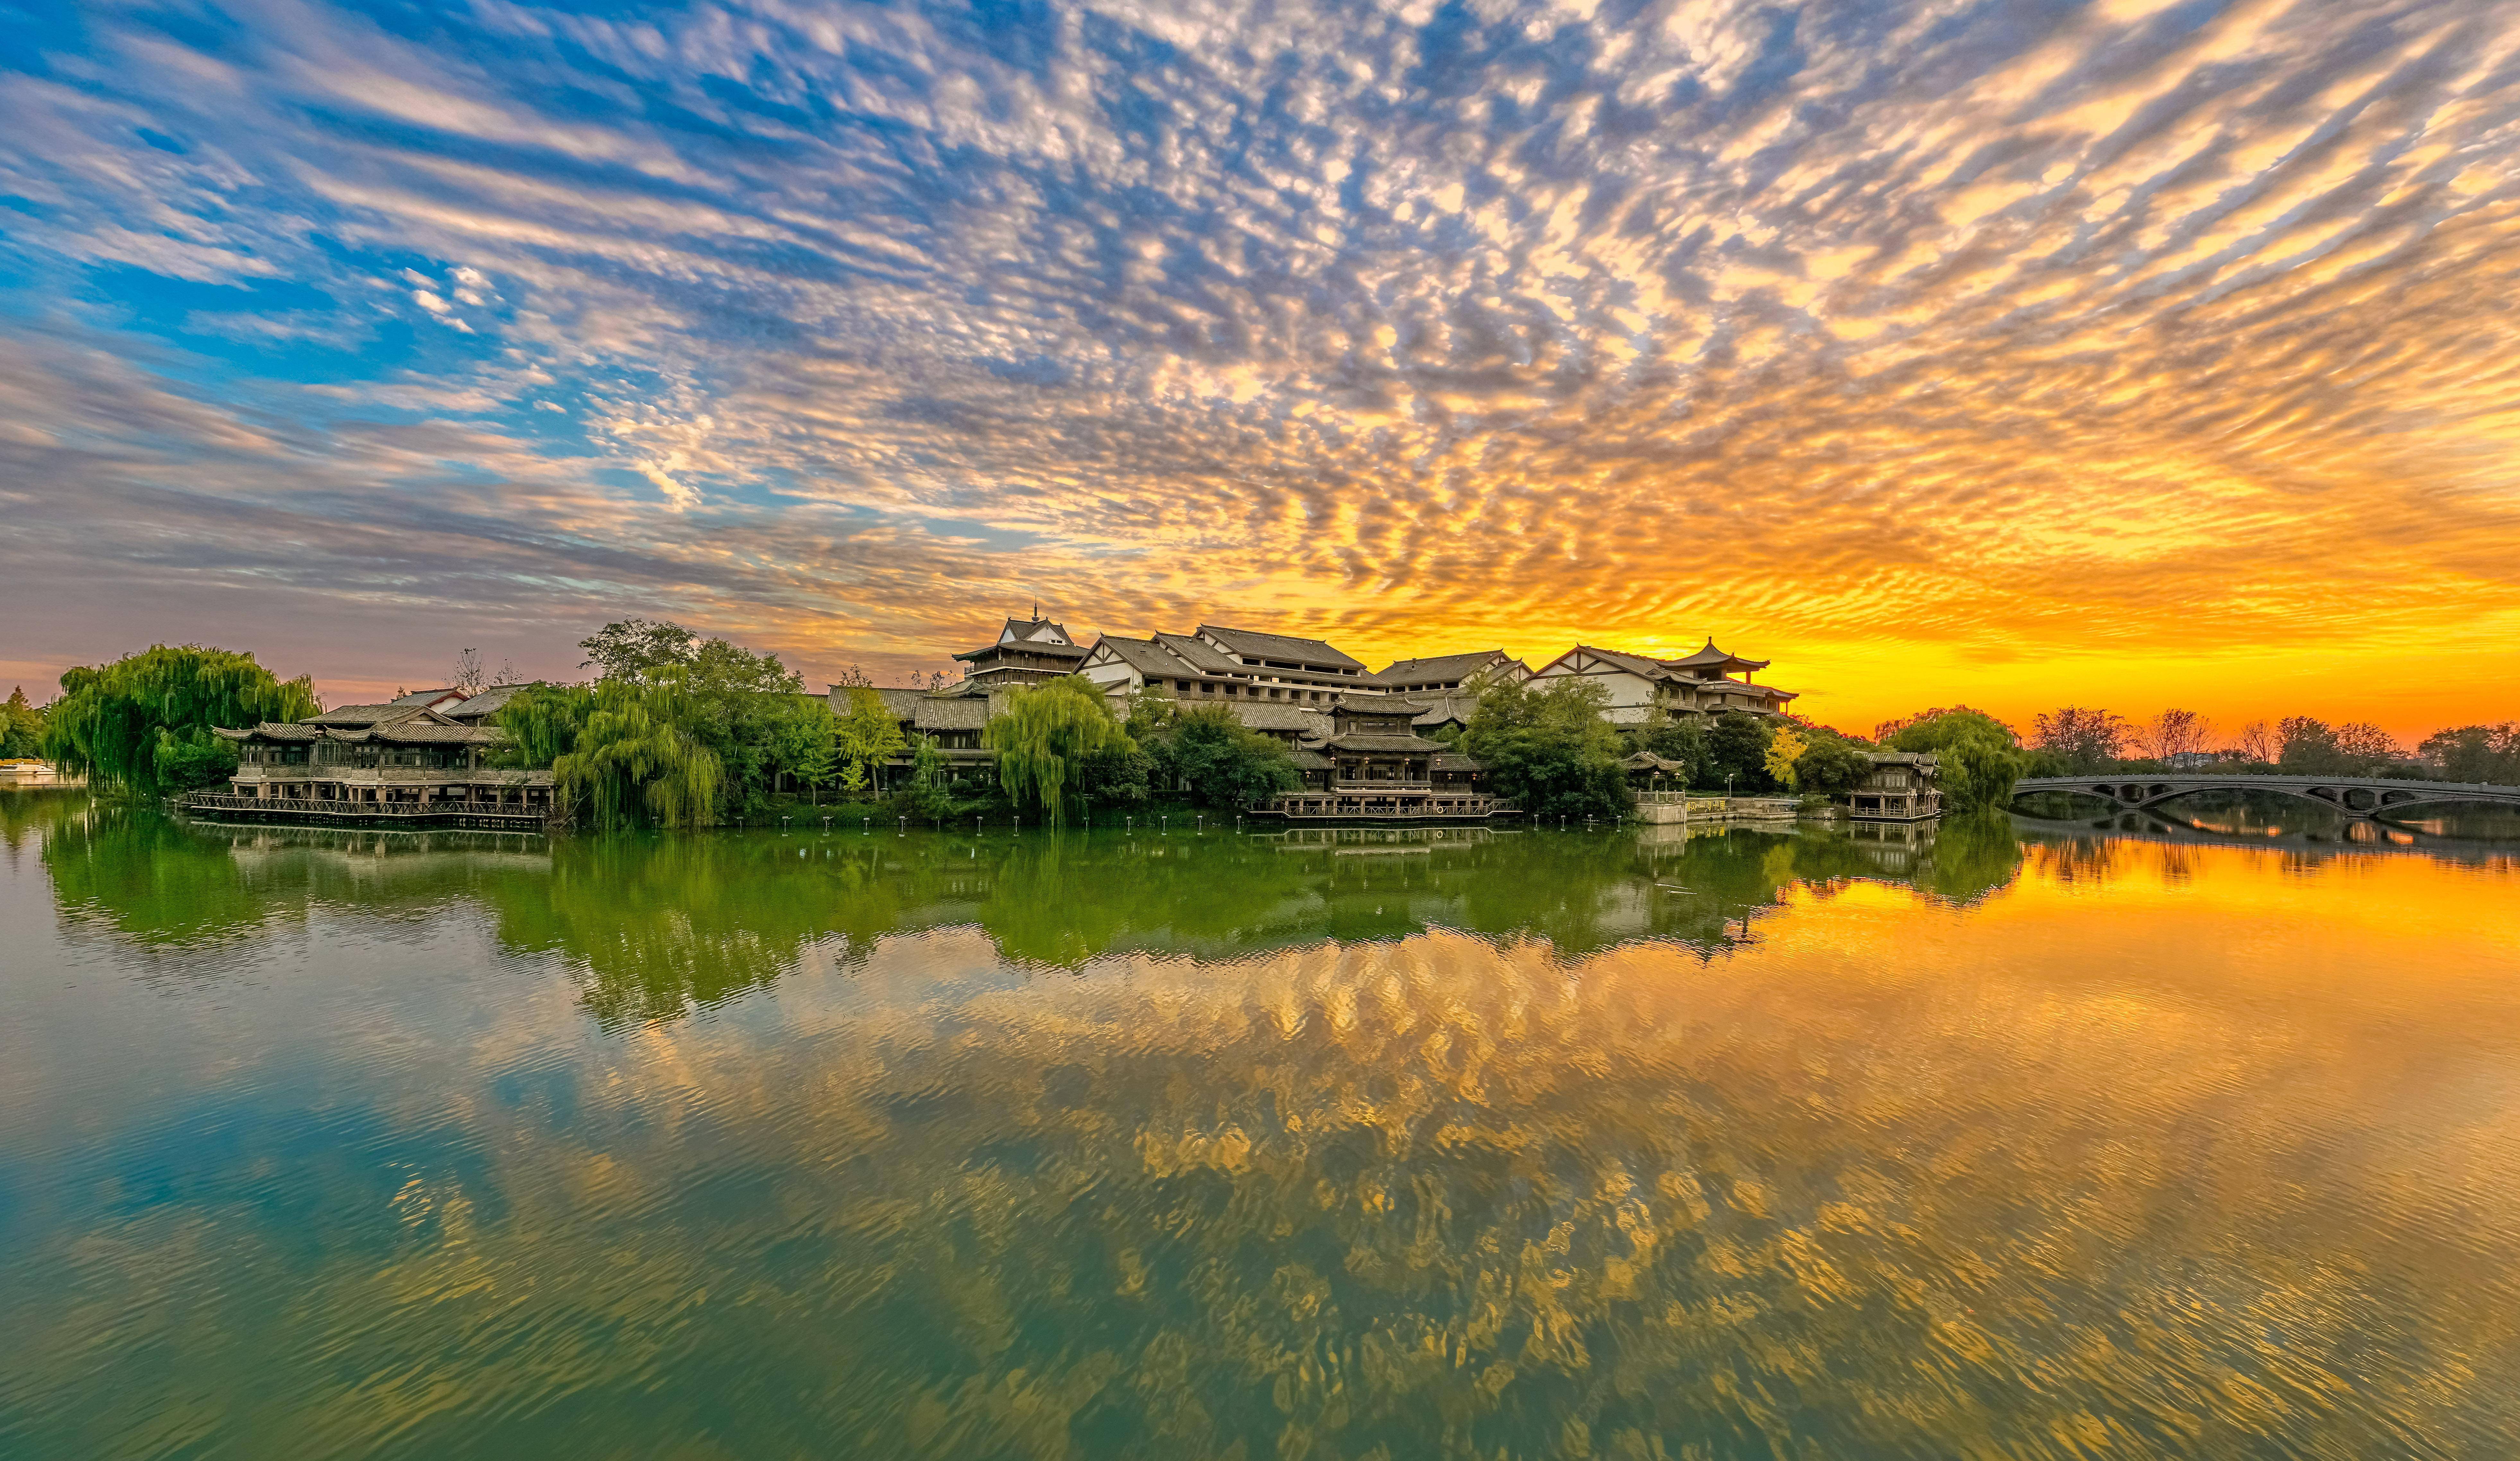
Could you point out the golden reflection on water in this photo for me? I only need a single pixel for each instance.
(2144, 1150)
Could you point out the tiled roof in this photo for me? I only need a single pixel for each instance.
(1028, 646)
(430, 732)
(1709, 656)
(424, 698)
(1454, 760)
(1633, 664)
(1309, 759)
(1267, 716)
(1445, 709)
(1252, 644)
(1200, 655)
(902, 703)
(1024, 627)
(1379, 705)
(1438, 668)
(287, 730)
(1383, 743)
(489, 702)
(367, 715)
(1146, 657)
(951, 713)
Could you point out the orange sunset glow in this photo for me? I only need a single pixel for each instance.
(2128, 354)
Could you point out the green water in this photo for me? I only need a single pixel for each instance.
(1997, 1142)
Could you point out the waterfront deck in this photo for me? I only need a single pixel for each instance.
(448, 811)
(1383, 808)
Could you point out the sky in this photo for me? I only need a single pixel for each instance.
(2016, 354)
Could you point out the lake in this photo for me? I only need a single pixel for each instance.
(1991, 1139)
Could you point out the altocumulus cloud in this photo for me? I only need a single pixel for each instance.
(1982, 329)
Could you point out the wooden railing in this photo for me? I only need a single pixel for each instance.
(210, 801)
(1343, 807)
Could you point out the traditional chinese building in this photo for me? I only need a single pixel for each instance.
(1904, 787)
(1698, 684)
(1219, 664)
(395, 765)
(952, 718)
(1026, 651)
(1441, 673)
(1374, 766)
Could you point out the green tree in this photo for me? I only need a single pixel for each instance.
(1832, 765)
(637, 761)
(2312, 747)
(542, 723)
(1736, 752)
(22, 727)
(142, 724)
(2307, 747)
(636, 649)
(2475, 753)
(927, 795)
(1044, 736)
(1544, 747)
(809, 744)
(1680, 738)
(2081, 739)
(738, 705)
(1981, 756)
(1206, 753)
(868, 737)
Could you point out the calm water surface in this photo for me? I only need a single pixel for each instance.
(2015, 1141)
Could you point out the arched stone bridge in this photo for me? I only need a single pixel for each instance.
(2353, 796)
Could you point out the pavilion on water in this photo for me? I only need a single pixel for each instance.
(399, 763)
(1374, 765)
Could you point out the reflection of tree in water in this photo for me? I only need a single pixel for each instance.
(26, 815)
(660, 924)
(132, 871)
(1438, 1196)
(157, 882)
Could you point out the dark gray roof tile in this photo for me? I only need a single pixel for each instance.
(1251, 644)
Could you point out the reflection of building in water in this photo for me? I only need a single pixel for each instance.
(1903, 786)
(1894, 847)
(1300, 839)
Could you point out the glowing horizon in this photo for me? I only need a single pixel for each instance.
(2135, 355)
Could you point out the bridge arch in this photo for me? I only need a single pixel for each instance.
(2351, 796)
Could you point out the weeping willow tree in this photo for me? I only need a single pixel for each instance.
(142, 724)
(634, 762)
(544, 721)
(1044, 738)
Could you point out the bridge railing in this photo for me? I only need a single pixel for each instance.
(2353, 795)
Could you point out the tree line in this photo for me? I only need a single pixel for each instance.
(2077, 740)
(678, 730)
